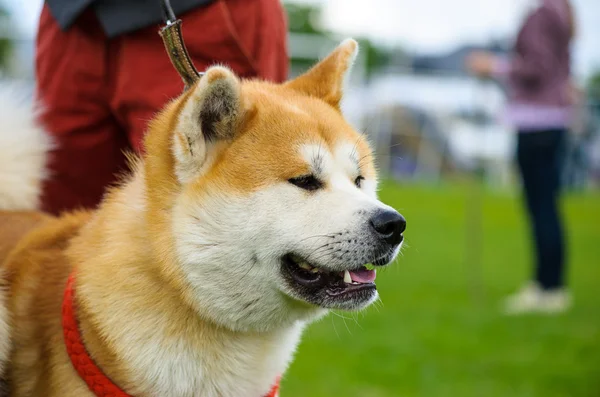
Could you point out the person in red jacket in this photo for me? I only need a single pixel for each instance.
(102, 73)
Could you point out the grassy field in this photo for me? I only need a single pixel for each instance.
(438, 331)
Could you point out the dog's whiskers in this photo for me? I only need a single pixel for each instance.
(355, 318)
(343, 320)
(321, 255)
(334, 328)
(206, 245)
(254, 261)
(327, 245)
(329, 235)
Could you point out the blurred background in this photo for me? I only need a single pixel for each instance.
(448, 165)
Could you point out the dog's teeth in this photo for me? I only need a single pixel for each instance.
(347, 278)
(314, 270)
(305, 266)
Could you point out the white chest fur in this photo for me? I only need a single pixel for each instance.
(226, 365)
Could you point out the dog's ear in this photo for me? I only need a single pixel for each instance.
(210, 115)
(326, 79)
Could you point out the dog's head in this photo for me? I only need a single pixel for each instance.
(268, 197)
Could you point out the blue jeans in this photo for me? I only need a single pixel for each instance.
(540, 157)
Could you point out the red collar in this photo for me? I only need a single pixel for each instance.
(93, 376)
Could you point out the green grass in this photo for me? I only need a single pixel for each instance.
(439, 331)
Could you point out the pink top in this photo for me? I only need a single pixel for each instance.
(538, 73)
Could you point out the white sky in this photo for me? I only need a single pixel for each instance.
(439, 25)
(424, 25)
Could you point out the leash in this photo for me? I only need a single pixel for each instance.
(175, 46)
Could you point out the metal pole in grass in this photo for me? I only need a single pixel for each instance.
(474, 233)
(474, 217)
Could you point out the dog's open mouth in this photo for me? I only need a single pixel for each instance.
(335, 284)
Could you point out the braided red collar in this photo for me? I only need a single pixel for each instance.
(93, 376)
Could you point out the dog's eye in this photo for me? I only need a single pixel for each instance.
(358, 181)
(306, 182)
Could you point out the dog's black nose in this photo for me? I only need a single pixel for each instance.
(389, 226)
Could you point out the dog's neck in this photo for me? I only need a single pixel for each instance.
(143, 332)
(170, 351)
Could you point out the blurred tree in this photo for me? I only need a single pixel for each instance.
(305, 18)
(593, 90)
(376, 57)
(302, 18)
(5, 41)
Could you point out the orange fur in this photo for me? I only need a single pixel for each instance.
(124, 253)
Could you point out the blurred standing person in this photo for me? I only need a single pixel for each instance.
(539, 107)
(102, 72)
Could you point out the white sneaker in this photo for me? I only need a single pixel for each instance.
(554, 302)
(524, 301)
(532, 298)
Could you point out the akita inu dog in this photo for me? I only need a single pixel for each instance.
(252, 212)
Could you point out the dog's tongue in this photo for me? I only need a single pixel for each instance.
(363, 276)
